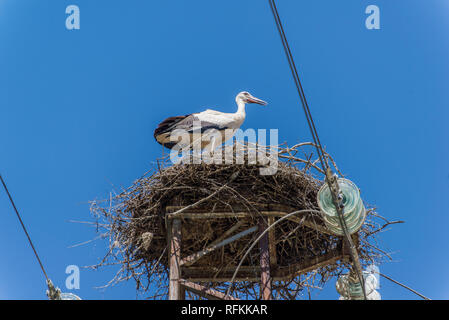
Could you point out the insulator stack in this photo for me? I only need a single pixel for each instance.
(354, 210)
(349, 287)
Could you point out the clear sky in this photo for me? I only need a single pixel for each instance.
(78, 109)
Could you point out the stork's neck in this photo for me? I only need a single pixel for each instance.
(241, 108)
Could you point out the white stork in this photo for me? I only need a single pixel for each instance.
(225, 123)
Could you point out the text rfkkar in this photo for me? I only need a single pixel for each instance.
(230, 309)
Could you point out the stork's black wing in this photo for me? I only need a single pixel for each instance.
(168, 124)
(164, 129)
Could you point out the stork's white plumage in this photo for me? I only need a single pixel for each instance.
(225, 123)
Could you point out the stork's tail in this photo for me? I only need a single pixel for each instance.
(163, 130)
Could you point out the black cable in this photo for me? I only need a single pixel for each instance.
(299, 87)
(404, 286)
(23, 226)
(316, 139)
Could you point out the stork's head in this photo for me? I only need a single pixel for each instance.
(246, 97)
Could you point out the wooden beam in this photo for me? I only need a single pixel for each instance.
(205, 292)
(208, 215)
(223, 274)
(272, 243)
(288, 272)
(175, 253)
(265, 271)
(198, 255)
(253, 273)
(196, 215)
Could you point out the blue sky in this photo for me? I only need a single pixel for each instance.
(78, 108)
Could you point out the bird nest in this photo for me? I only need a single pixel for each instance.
(215, 201)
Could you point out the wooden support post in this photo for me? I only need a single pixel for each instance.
(182, 292)
(175, 291)
(272, 243)
(265, 274)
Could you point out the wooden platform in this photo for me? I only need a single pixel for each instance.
(186, 275)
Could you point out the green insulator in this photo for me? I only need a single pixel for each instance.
(354, 210)
(69, 296)
(349, 289)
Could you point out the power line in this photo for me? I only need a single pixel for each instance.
(404, 286)
(24, 229)
(331, 181)
(298, 84)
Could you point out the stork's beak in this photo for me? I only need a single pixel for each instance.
(256, 100)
